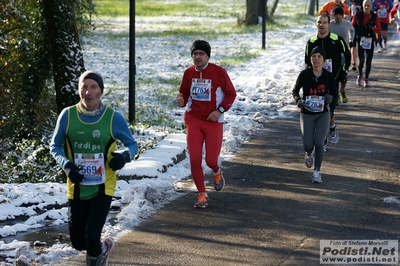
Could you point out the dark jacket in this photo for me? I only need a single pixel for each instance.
(334, 46)
(367, 30)
(311, 85)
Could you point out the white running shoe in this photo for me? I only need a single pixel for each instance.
(333, 135)
(309, 159)
(366, 83)
(110, 243)
(359, 79)
(316, 177)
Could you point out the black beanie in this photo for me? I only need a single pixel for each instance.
(319, 50)
(91, 74)
(338, 10)
(200, 45)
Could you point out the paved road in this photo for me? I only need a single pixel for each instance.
(269, 212)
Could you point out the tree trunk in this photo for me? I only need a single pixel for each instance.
(65, 50)
(311, 7)
(274, 8)
(252, 12)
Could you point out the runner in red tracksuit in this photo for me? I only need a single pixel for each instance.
(208, 92)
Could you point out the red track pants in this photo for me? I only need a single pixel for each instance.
(199, 132)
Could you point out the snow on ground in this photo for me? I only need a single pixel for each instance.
(264, 92)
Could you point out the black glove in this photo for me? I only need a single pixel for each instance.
(328, 98)
(72, 171)
(119, 160)
(300, 103)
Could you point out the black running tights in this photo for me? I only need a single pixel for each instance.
(361, 59)
(86, 221)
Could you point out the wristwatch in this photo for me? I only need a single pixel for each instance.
(221, 109)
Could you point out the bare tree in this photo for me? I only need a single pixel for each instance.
(65, 50)
(274, 8)
(252, 12)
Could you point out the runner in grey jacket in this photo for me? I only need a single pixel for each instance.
(344, 29)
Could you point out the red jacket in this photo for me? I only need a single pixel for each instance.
(393, 11)
(204, 99)
(362, 24)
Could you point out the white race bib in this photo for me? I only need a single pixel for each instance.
(328, 65)
(201, 89)
(92, 167)
(315, 103)
(366, 42)
(382, 12)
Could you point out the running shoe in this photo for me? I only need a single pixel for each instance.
(110, 243)
(359, 79)
(92, 261)
(316, 177)
(202, 200)
(325, 145)
(333, 135)
(219, 181)
(344, 97)
(354, 68)
(366, 83)
(380, 50)
(309, 159)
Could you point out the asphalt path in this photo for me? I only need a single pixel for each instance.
(270, 213)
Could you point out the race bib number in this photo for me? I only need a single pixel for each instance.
(382, 12)
(328, 65)
(201, 89)
(366, 42)
(92, 168)
(315, 103)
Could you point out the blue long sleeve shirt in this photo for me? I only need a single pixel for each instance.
(119, 129)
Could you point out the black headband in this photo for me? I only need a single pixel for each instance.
(92, 75)
(200, 46)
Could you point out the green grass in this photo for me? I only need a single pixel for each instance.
(227, 13)
(112, 8)
(154, 8)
